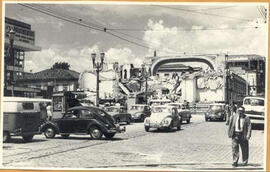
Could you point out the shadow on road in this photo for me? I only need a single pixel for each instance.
(21, 141)
(88, 138)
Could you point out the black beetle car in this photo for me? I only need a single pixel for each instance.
(83, 120)
(216, 111)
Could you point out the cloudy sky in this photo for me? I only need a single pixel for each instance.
(169, 29)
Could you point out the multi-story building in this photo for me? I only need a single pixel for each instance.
(23, 40)
(250, 67)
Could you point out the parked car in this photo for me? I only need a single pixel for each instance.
(216, 111)
(22, 117)
(139, 112)
(163, 117)
(183, 111)
(119, 113)
(254, 109)
(83, 120)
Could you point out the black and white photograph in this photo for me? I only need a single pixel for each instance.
(134, 86)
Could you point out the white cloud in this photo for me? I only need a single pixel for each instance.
(235, 41)
(79, 59)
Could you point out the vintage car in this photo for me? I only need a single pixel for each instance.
(83, 120)
(254, 109)
(183, 111)
(22, 117)
(119, 113)
(216, 111)
(139, 112)
(163, 117)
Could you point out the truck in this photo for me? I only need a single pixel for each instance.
(255, 109)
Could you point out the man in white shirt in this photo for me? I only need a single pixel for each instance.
(240, 131)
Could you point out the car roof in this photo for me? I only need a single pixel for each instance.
(83, 107)
(164, 106)
(139, 105)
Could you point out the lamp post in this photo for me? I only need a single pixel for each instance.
(11, 53)
(98, 66)
(145, 75)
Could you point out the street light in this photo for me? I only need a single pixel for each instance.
(98, 66)
(11, 41)
(145, 75)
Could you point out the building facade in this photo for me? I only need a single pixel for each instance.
(49, 81)
(14, 55)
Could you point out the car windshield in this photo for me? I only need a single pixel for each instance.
(254, 102)
(136, 108)
(160, 109)
(216, 107)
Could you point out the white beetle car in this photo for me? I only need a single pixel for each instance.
(163, 117)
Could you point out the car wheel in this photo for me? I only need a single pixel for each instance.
(49, 132)
(95, 132)
(117, 121)
(179, 126)
(142, 118)
(170, 128)
(146, 128)
(109, 135)
(65, 135)
(28, 138)
(128, 121)
(188, 120)
(6, 136)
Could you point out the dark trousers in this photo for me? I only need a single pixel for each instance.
(238, 140)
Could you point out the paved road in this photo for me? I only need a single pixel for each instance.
(198, 145)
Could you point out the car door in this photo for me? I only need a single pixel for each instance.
(66, 123)
(81, 123)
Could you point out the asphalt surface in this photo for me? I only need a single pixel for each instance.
(199, 145)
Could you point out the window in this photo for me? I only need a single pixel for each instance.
(87, 114)
(28, 106)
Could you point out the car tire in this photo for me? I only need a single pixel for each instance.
(65, 136)
(95, 132)
(206, 119)
(142, 118)
(6, 136)
(179, 126)
(28, 138)
(146, 128)
(117, 120)
(188, 120)
(49, 132)
(109, 135)
(128, 121)
(170, 128)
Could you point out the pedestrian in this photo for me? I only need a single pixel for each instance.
(240, 131)
(227, 113)
(49, 112)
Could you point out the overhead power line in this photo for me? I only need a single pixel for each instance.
(204, 13)
(87, 25)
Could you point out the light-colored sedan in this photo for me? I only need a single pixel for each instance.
(183, 111)
(163, 117)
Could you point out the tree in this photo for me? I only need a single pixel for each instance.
(61, 65)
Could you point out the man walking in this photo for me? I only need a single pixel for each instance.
(240, 131)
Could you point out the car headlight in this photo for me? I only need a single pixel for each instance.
(147, 120)
(166, 121)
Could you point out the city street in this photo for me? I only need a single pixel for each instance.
(198, 145)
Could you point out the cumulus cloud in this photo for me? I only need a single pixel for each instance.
(234, 40)
(79, 59)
